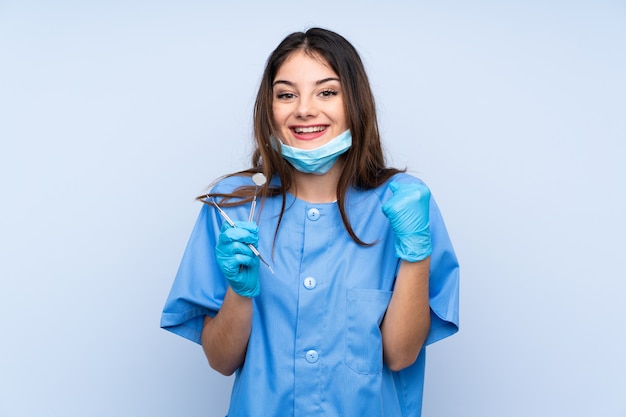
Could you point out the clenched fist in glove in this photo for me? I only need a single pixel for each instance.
(408, 213)
(235, 258)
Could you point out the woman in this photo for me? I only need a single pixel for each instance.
(361, 272)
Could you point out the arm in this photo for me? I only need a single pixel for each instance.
(225, 336)
(407, 320)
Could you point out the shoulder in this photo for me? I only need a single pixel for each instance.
(228, 184)
(403, 177)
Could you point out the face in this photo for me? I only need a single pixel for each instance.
(307, 105)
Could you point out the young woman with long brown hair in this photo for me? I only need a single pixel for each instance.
(360, 273)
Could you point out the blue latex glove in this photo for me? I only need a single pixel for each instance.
(236, 260)
(408, 213)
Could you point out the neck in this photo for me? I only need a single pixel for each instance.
(317, 188)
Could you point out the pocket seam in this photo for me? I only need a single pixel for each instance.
(360, 331)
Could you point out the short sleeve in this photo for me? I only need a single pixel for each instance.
(444, 274)
(444, 280)
(199, 287)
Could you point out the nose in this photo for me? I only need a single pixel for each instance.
(306, 108)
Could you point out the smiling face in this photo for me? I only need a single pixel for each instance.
(308, 105)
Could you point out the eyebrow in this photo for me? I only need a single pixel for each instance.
(322, 81)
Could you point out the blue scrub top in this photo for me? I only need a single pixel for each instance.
(315, 348)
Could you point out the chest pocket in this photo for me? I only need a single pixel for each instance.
(364, 347)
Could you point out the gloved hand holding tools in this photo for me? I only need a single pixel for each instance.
(237, 260)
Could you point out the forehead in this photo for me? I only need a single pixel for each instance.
(301, 64)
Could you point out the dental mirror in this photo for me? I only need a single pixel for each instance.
(258, 179)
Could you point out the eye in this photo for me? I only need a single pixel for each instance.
(285, 96)
(329, 93)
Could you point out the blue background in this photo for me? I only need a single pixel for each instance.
(114, 115)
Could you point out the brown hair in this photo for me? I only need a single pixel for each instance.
(364, 163)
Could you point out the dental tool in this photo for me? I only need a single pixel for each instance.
(232, 224)
(258, 179)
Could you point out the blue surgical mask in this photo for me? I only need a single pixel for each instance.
(319, 160)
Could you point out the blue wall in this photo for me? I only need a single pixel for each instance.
(114, 115)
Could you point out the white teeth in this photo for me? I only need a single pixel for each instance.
(309, 129)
